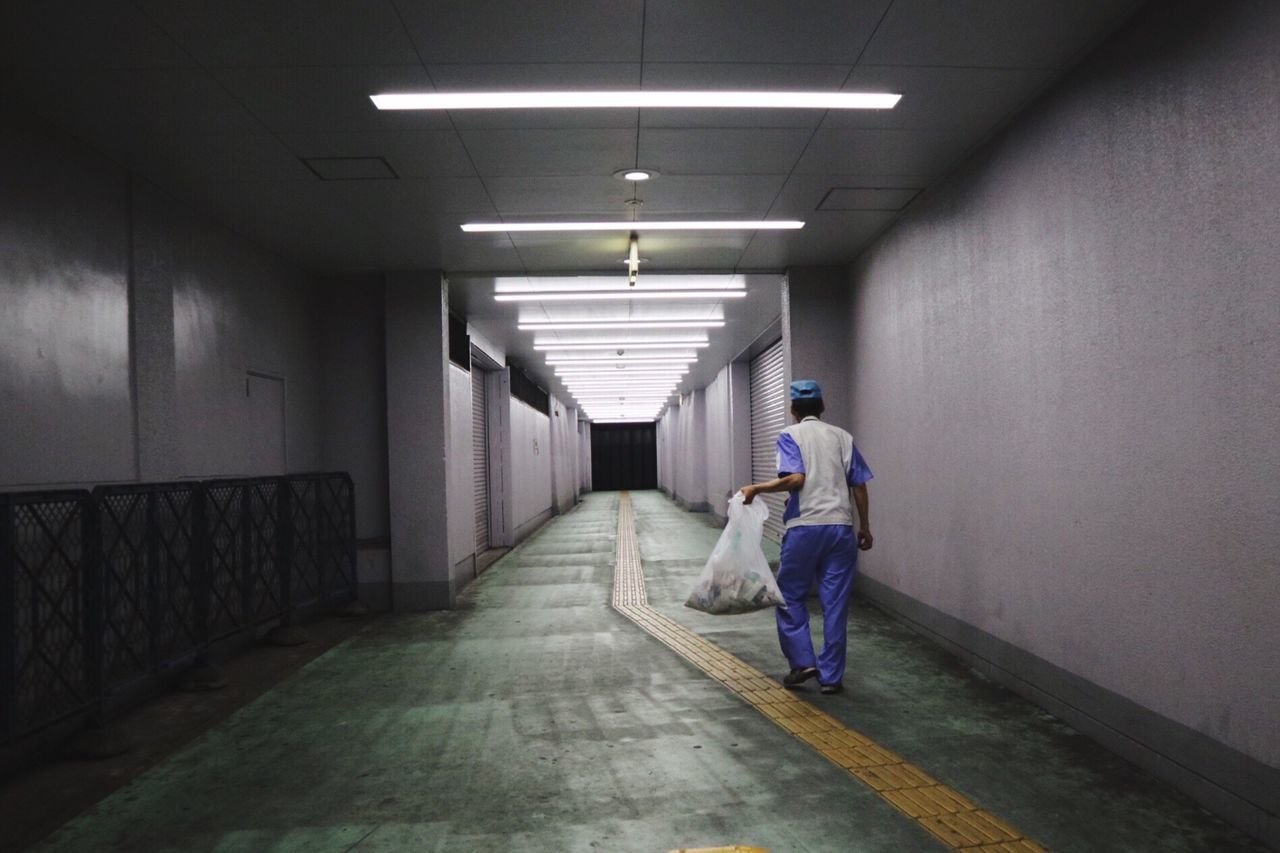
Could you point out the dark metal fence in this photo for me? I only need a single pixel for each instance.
(101, 589)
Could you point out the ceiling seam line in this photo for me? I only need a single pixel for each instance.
(453, 125)
(816, 128)
(208, 72)
(644, 19)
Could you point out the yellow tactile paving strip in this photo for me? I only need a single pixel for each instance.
(950, 817)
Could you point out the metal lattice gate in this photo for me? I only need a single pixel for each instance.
(768, 417)
(480, 456)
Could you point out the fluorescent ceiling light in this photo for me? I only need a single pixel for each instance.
(620, 394)
(622, 371)
(652, 361)
(623, 420)
(601, 393)
(601, 295)
(611, 355)
(655, 225)
(646, 99)
(620, 324)
(575, 384)
(656, 281)
(606, 389)
(617, 345)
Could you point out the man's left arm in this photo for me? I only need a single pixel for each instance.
(857, 476)
(862, 500)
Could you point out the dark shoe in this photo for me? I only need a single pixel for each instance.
(831, 688)
(798, 676)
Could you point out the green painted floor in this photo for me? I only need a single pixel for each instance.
(536, 718)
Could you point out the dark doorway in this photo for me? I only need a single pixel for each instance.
(624, 456)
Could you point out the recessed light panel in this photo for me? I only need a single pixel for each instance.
(646, 99)
(621, 324)
(655, 225)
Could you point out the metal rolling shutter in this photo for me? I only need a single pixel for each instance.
(480, 457)
(768, 417)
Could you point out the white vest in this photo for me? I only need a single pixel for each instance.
(827, 452)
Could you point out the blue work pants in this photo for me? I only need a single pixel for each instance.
(829, 553)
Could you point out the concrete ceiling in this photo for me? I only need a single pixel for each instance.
(221, 101)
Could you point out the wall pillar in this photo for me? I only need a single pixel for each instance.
(815, 328)
(417, 340)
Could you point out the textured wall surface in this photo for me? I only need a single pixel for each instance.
(1066, 367)
(90, 256)
(65, 395)
(462, 523)
(354, 403)
(236, 309)
(584, 455)
(817, 334)
(719, 456)
(418, 439)
(691, 438)
(530, 464)
(704, 446)
(564, 455)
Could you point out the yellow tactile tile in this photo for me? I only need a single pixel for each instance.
(950, 817)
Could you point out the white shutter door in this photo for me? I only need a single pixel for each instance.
(768, 417)
(480, 457)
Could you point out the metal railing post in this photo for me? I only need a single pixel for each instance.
(8, 623)
(351, 535)
(284, 547)
(245, 549)
(93, 621)
(151, 543)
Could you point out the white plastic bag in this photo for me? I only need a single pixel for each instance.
(736, 578)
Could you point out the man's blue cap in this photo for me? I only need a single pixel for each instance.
(805, 389)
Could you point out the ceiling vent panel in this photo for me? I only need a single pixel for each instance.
(868, 198)
(350, 168)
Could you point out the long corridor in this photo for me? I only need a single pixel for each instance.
(536, 717)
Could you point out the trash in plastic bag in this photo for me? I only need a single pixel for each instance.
(736, 578)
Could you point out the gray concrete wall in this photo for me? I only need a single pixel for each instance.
(1065, 371)
(584, 455)
(815, 325)
(354, 412)
(532, 500)
(564, 456)
(690, 473)
(235, 309)
(418, 439)
(720, 482)
(66, 407)
(462, 524)
(665, 437)
(704, 445)
(129, 325)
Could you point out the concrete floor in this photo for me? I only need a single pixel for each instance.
(535, 718)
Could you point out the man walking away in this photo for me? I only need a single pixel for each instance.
(820, 466)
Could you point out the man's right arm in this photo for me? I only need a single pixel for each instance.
(789, 483)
